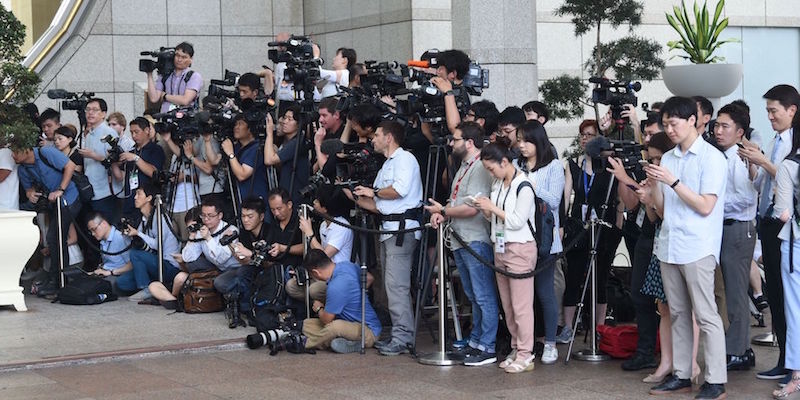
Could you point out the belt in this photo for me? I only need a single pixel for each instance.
(730, 221)
(414, 214)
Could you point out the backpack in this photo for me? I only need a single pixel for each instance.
(198, 294)
(269, 297)
(85, 290)
(85, 189)
(544, 220)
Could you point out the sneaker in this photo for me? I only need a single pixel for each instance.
(466, 351)
(550, 354)
(774, 374)
(521, 365)
(565, 336)
(761, 303)
(509, 359)
(395, 348)
(140, 295)
(379, 344)
(344, 346)
(480, 358)
(712, 391)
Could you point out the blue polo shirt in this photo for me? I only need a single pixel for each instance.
(41, 173)
(115, 243)
(343, 297)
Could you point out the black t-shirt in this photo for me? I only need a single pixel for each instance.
(152, 154)
(247, 238)
(289, 236)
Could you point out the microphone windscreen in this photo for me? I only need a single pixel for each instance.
(596, 146)
(330, 147)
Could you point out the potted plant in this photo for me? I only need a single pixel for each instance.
(699, 40)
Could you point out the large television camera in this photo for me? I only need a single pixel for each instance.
(182, 123)
(615, 94)
(164, 61)
(302, 69)
(72, 101)
(217, 90)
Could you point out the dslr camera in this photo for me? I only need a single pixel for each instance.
(163, 63)
(113, 153)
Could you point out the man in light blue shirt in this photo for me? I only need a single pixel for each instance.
(116, 259)
(94, 150)
(688, 190)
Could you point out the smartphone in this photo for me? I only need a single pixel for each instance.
(632, 187)
(741, 146)
(644, 163)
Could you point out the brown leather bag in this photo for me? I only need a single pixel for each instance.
(198, 294)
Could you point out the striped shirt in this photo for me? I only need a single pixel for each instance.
(548, 183)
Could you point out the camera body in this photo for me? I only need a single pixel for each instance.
(195, 226)
(302, 68)
(113, 153)
(615, 94)
(181, 123)
(288, 336)
(72, 101)
(164, 61)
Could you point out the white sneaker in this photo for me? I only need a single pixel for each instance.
(140, 295)
(550, 354)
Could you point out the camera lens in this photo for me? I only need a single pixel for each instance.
(256, 340)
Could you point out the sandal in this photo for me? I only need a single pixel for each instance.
(509, 359)
(790, 391)
(150, 301)
(521, 365)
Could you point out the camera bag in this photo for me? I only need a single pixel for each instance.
(85, 189)
(618, 341)
(198, 294)
(85, 290)
(269, 297)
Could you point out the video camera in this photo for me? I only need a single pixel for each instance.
(164, 61)
(114, 152)
(628, 151)
(73, 101)
(216, 89)
(302, 68)
(182, 123)
(615, 94)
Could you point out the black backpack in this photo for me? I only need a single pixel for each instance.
(85, 189)
(545, 223)
(268, 298)
(85, 290)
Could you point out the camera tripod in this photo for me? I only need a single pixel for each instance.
(182, 166)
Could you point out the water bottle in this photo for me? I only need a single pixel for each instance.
(102, 297)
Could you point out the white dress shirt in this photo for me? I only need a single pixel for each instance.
(766, 182)
(401, 172)
(217, 254)
(687, 236)
(741, 196)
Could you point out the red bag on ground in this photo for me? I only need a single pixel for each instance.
(618, 341)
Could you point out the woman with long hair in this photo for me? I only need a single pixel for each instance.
(64, 141)
(510, 211)
(539, 163)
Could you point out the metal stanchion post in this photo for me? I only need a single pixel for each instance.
(160, 231)
(441, 357)
(59, 202)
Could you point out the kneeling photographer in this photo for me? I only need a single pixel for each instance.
(116, 262)
(339, 323)
(144, 252)
(136, 167)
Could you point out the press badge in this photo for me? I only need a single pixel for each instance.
(640, 217)
(500, 240)
(133, 181)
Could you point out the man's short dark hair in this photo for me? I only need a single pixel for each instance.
(705, 105)
(367, 115)
(210, 202)
(50, 114)
(329, 103)
(334, 200)
(539, 108)
(741, 103)
(739, 115)
(652, 118)
(454, 60)
(316, 259)
(93, 215)
(279, 192)
(349, 54)
(250, 80)
(395, 129)
(100, 102)
(185, 47)
(471, 131)
(488, 111)
(785, 94)
(255, 203)
(141, 122)
(681, 107)
(355, 70)
(511, 116)
(297, 113)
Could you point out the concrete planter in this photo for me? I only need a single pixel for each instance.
(18, 240)
(709, 80)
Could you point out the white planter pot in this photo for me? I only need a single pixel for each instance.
(709, 80)
(18, 240)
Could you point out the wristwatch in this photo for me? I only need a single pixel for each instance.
(444, 211)
(231, 156)
(450, 93)
(375, 191)
(136, 159)
(318, 309)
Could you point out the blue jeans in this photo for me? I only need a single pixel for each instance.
(545, 291)
(479, 286)
(145, 270)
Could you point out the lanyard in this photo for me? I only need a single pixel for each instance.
(587, 186)
(458, 182)
(497, 203)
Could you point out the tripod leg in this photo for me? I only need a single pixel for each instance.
(452, 296)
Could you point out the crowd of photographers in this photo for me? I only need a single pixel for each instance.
(281, 164)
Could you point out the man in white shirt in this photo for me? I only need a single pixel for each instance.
(396, 195)
(9, 182)
(688, 190)
(205, 242)
(738, 234)
(782, 104)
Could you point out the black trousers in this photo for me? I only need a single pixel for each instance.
(578, 264)
(645, 307)
(771, 251)
(67, 213)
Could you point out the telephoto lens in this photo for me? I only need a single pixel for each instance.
(262, 339)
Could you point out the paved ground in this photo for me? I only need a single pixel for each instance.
(52, 332)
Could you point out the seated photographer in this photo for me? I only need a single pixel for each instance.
(114, 252)
(181, 87)
(144, 252)
(335, 240)
(339, 76)
(94, 150)
(338, 325)
(285, 237)
(169, 297)
(49, 121)
(204, 251)
(44, 182)
(251, 176)
(137, 166)
(293, 174)
(235, 284)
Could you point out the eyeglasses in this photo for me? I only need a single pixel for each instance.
(208, 216)
(96, 227)
(93, 109)
(588, 134)
(450, 138)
